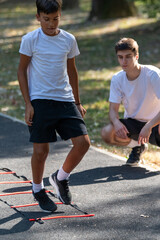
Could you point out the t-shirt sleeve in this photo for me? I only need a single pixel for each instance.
(155, 81)
(26, 46)
(115, 93)
(74, 51)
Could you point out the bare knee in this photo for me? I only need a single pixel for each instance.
(107, 133)
(40, 151)
(82, 143)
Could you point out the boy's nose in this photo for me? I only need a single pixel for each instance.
(124, 60)
(51, 24)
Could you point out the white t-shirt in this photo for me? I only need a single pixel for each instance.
(140, 97)
(47, 71)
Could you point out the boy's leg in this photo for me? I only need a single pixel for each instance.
(80, 147)
(108, 135)
(70, 126)
(40, 153)
(134, 127)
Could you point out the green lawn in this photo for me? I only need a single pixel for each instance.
(96, 64)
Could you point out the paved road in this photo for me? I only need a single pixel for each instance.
(125, 200)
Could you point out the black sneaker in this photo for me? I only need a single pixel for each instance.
(45, 203)
(62, 188)
(134, 157)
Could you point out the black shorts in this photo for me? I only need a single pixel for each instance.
(134, 127)
(55, 116)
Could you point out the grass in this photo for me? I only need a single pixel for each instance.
(96, 64)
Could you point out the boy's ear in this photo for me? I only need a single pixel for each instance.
(38, 17)
(137, 56)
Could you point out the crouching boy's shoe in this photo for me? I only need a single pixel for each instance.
(62, 188)
(134, 157)
(45, 203)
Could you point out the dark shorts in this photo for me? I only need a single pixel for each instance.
(134, 127)
(54, 116)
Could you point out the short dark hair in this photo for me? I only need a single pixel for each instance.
(48, 6)
(127, 44)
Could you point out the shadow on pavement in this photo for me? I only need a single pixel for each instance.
(110, 174)
(99, 175)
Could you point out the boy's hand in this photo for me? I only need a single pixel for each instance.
(120, 129)
(29, 112)
(144, 134)
(82, 110)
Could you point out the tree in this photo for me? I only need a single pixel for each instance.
(102, 9)
(70, 4)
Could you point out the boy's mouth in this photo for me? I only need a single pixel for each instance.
(51, 28)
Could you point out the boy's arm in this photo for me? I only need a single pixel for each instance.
(73, 79)
(120, 129)
(23, 83)
(147, 129)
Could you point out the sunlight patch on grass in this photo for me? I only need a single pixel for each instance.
(103, 74)
(10, 33)
(13, 34)
(152, 158)
(106, 27)
(14, 83)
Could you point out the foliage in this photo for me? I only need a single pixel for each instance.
(149, 8)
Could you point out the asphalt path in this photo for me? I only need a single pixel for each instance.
(124, 200)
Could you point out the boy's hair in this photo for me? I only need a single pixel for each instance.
(127, 44)
(48, 6)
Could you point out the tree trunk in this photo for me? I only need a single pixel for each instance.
(102, 9)
(70, 4)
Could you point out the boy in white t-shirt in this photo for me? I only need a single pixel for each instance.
(137, 88)
(49, 83)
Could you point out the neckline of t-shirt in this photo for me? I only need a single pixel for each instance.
(135, 80)
(50, 37)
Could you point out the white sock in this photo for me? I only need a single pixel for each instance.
(37, 187)
(133, 144)
(62, 175)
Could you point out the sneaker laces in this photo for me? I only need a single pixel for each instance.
(65, 184)
(138, 150)
(42, 196)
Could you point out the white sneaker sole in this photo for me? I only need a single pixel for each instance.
(132, 164)
(47, 211)
(56, 188)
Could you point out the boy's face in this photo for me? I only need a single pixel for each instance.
(127, 59)
(49, 22)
